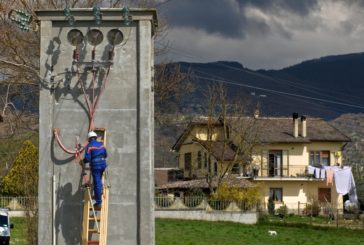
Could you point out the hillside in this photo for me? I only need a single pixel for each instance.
(326, 87)
(353, 126)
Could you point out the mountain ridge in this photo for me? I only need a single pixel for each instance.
(325, 87)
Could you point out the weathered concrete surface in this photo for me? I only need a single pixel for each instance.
(125, 110)
(238, 217)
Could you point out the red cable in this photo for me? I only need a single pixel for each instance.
(91, 110)
(56, 136)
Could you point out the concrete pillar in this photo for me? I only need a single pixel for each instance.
(125, 110)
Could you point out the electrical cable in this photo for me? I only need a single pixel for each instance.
(306, 87)
(280, 92)
(91, 105)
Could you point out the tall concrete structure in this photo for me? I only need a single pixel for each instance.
(121, 55)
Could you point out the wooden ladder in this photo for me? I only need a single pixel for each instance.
(94, 226)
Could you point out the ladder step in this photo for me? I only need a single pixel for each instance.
(93, 242)
(93, 230)
(93, 218)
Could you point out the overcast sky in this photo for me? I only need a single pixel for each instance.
(267, 34)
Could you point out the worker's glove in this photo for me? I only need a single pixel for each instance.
(81, 163)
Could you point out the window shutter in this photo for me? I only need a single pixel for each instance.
(285, 165)
(264, 163)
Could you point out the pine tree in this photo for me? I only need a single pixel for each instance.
(22, 179)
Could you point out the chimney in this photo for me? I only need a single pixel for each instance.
(295, 124)
(304, 126)
(256, 113)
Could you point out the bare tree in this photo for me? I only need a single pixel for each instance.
(19, 59)
(231, 136)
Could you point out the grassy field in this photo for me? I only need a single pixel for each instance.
(223, 233)
(186, 232)
(18, 233)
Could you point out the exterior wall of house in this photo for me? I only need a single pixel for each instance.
(295, 157)
(295, 160)
(163, 176)
(200, 133)
(197, 172)
(193, 148)
(297, 193)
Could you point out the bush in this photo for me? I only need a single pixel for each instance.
(282, 211)
(271, 206)
(245, 198)
(312, 209)
(263, 218)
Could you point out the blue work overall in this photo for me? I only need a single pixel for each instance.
(95, 154)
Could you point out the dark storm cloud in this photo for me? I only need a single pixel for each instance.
(227, 17)
(301, 7)
(213, 16)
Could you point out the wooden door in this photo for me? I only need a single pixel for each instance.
(324, 195)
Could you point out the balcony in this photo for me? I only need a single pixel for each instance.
(290, 172)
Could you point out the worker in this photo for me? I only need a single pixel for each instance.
(95, 154)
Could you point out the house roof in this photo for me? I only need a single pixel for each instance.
(232, 181)
(280, 130)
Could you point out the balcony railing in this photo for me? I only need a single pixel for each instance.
(297, 171)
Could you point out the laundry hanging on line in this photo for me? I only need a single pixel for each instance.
(318, 173)
(344, 181)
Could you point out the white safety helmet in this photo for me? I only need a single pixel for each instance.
(92, 134)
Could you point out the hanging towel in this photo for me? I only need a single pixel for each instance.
(329, 176)
(317, 173)
(311, 170)
(322, 173)
(352, 193)
(343, 180)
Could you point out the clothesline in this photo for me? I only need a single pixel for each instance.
(342, 176)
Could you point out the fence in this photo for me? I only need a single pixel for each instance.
(18, 203)
(201, 202)
(324, 214)
(201, 208)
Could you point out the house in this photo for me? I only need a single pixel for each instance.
(181, 188)
(278, 160)
(163, 176)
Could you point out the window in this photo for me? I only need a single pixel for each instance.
(275, 163)
(188, 164)
(235, 169)
(199, 160)
(320, 158)
(276, 194)
(205, 156)
(3, 221)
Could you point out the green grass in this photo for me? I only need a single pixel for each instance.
(18, 233)
(299, 219)
(185, 232)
